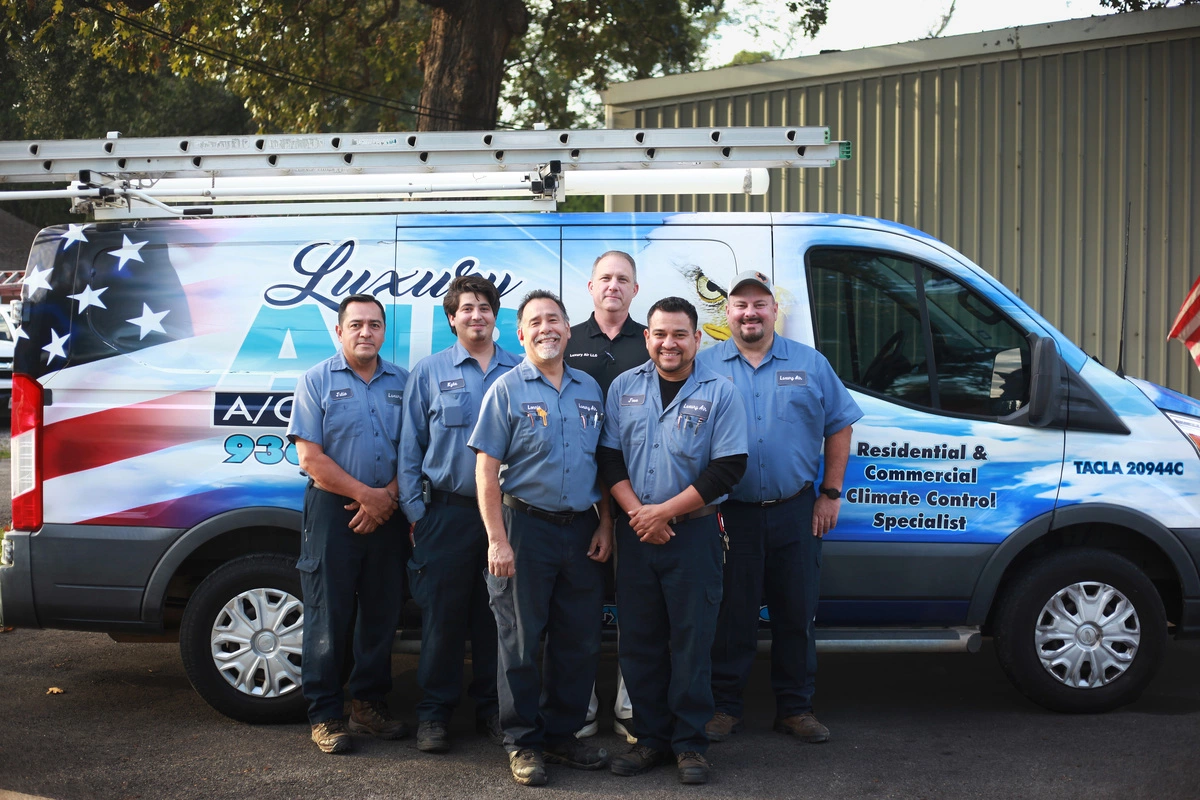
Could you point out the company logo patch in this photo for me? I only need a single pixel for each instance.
(395, 396)
(252, 409)
(697, 409)
(588, 406)
(795, 377)
(451, 385)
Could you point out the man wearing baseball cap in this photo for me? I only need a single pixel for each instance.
(795, 404)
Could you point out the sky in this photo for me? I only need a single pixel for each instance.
(855, 24)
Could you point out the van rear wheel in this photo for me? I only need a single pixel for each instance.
(241, 639)
(1082, 630)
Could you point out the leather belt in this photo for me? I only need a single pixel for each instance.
(707, 511)
(452, 499)
(557, 517)
(768, 503)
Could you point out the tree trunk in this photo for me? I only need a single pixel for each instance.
(463, 62)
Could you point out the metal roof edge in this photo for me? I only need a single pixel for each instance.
(920, 51)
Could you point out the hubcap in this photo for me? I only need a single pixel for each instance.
(256, 642)
(1087, 635)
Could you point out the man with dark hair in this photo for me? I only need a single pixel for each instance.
(346, 426)
(796, 405)
(541, 421)
(437, 493)
(604, 346)
(674, 442)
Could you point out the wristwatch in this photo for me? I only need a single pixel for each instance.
(831, 493)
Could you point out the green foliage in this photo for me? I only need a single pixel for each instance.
(749, 57)
(1143, 5)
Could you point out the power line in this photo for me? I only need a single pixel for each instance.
(284, 75)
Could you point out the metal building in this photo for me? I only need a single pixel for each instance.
(1023, 148)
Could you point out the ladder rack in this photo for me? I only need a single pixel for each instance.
(220, 175)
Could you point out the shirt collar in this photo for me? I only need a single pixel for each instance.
(629, 327)
(381, 365)
(459, 355)
(529, 372)
(779, 349)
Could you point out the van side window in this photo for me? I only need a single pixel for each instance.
(895, 327)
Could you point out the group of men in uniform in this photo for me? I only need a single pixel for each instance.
(522, 476)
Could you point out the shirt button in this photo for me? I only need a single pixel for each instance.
(759, 416)
(758, 394)
(651, 472)
(760, 441)
(656, 446)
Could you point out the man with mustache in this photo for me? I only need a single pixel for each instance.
(541, 421)
(437, 492)
(794, 403)
(674, 442)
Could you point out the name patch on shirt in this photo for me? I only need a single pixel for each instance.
(696, 409)
(795, 377)
(341, 394)
(633, 400)
(451, 385)
(533, 408)
(395, 397)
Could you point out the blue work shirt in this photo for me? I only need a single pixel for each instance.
(356, 423)
(441, 404)
(666, 449)
(546, 437)
(793, 401)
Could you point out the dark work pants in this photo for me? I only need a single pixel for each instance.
(772, 553)
(667, 597)
(557, 590)
(446, 577)
(338, 566)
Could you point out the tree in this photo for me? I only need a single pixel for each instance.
(313, 65)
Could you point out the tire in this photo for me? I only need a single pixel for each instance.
(241, 639)
(1081, 631)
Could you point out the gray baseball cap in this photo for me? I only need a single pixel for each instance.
(751, 276)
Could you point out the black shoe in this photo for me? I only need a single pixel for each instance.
(640, 758)
(576, 754)
(490, 728)
(433, 736)
(527, 767)
(693, 767)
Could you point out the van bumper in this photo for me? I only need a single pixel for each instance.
(16, 583)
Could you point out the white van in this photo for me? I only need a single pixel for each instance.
(1001, 482)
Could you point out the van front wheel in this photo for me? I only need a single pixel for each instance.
(1082, 630)
(241, 639)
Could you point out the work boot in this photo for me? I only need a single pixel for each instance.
(433, 736)
(490, 728)
(722, 726)
(804, 727)
(372, 717)
(575, 754)
(332, 737)
(640, 758)
(693, 768)
(527, 767)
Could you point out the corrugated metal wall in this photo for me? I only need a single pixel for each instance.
(1026, 163)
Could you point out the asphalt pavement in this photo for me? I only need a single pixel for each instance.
(128, 725)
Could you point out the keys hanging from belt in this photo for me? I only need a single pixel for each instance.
(724, 536)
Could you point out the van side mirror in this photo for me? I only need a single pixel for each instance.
(1045, 381)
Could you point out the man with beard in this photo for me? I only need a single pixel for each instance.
(794, 403)
(542, 421)
(437, 492)
(674, 443)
